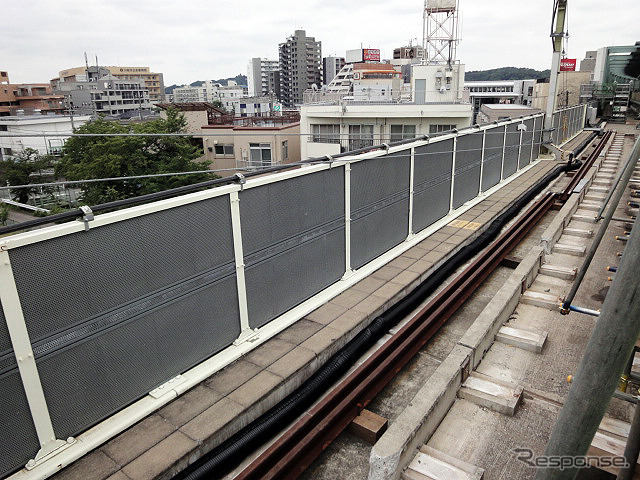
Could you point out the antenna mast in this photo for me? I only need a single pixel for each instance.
(440, 31)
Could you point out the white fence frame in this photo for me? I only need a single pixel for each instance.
(67, 451)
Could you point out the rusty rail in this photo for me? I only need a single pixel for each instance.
(314, 431)
(292, 453)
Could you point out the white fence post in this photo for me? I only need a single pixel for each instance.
(484, 140)
(504, 145)
(453, 172)
(411, 190)
(348, 271)
(25, 358)
(245, 329)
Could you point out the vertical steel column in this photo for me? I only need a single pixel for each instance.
(453, 172)
(411, 191)
(27, 367)
(347, 220)
(236, 227)
(606, 354)
(504, 146)
(484, 140)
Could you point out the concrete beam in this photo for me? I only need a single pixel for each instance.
(413, 427)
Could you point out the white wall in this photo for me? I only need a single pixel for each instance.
(57, 129)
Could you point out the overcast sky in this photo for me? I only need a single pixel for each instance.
(209, 39)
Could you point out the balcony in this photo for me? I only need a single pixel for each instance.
(402, 97)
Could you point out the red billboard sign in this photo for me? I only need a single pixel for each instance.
(371, 54)
(568, 65)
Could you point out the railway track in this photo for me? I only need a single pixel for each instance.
(302, 443)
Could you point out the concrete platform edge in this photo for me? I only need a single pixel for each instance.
(399, 444)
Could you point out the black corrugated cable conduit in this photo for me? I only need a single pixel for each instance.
(231, 452)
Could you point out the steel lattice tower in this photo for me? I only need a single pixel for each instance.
(440, 30)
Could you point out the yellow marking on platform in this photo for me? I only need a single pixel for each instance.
(472, 226)
(458, 223)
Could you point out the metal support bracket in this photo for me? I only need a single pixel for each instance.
(87, 216)
(45, 454)
(247, 335)
(241, 179)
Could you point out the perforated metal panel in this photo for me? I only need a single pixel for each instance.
(493, 145)
(105, 268)
(18, 439)
(537, 136)
(379, 205)
(432, 183)
(526, 147)
(293, 241)
(512, 145)
(556, 134)
(123, 308)
(91, 379)
(467, 176)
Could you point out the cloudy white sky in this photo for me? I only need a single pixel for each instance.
(208, 39)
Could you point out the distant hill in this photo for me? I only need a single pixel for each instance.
(506, 73)
(239, 79)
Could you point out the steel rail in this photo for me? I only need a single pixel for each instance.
(584, 168)
(292, 453)
(313, 432)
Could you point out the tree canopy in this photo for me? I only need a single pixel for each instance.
(18, 170)
(124, 156)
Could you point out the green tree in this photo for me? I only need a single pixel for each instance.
(124, 156)
(4, 213)
(19, 169)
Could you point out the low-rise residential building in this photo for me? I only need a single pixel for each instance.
(55, 130)
(519, 92)
(261, 145)
(372, 105)
(210, 91)
(494, 112)
(28, 98)
(196, 114)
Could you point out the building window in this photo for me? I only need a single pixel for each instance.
(325, 133)
(402, 132)
(224, 149)
(440, 128)
(360, 136)
(7, 151)
(285, 150)
(260, 154)
(3, 128)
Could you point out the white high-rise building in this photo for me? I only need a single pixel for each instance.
(259, 80)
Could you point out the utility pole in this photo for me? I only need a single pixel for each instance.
(557, 37)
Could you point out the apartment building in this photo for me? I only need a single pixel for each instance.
(330, 68)
(263, 77)
(152, 81)
(29, 98)
(300, 67)
(210, 91)
(372, 105)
